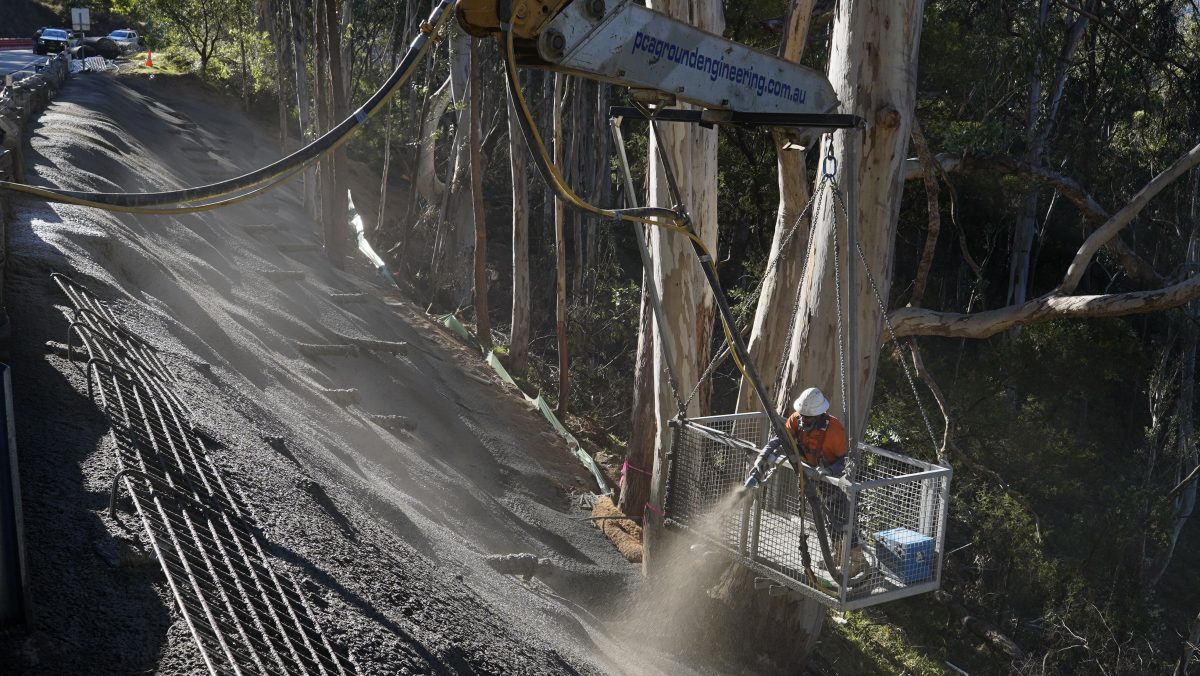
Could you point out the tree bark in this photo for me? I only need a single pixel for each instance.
(245, 60)
(300, 54)
(483, 325)
(560, 251)
(639, 456)
(1023, 228)
(518, 346)
(799, 618)
(427, 183)
(576, 177)
(768, 335)
(385, 171)
(873, 66)
(933, 206)
(635, 490)
(282, 48)
(323, 110)
(338, 212)
(922, 322)
(687, 302)
(459, 211)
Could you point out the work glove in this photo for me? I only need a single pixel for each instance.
(772, 446)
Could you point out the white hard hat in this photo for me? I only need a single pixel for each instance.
(811, 402)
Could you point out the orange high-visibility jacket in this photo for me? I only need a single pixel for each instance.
(819, 445)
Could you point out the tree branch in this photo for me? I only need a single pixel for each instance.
(982, 628)
(1122, 218)
(943, 405)
(935, 213)
(1135, 266)
(1186, 480)
(1121, 36)
(427, 184)
(912, 321)
(913, 169)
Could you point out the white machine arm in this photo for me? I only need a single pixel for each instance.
(622, 42)
(642, 49)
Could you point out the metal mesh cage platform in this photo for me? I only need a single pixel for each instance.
(883, 529)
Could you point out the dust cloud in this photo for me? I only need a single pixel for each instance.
(679, 612)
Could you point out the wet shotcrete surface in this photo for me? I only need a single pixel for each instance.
(385, 530)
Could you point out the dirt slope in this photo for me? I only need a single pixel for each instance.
(386, 530)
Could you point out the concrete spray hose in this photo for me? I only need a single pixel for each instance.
(223, 193)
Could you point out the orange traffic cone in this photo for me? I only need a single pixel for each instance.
(149, 59)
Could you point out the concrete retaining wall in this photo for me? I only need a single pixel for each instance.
(20, 102)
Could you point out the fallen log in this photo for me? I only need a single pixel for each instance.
(982, 628)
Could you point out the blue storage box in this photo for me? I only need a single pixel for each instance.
(906, 555)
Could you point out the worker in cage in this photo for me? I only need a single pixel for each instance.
(819, 436)
(821, 440)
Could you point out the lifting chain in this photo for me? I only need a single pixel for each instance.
(887, 322)
(787, 341)
(852, 455)
(771, 266)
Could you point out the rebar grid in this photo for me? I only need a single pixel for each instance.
(886, 528)
(244, 616)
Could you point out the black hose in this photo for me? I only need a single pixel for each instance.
(327, 142)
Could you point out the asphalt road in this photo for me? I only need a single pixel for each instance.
(16, 59)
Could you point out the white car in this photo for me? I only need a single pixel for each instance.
(54, 40)
(127, 40)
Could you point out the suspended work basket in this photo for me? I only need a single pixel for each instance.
(885, 526)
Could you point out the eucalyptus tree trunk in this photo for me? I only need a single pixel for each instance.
(300, 69)
(518, 345)
(1183, 502)
(323, 106)
(336, 234)
(577, 178)
(768, 336)
(243, 20)
(687, 301)
(483, 324)
(459, 209)
(426, 183)
(560, 254)
(873, 66)
(1023, 228)
(635, 489)
(1189, 647)
(1041, 118)
(643, 426)
(282, 46)
(793, 616)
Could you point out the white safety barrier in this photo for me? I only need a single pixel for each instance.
(97, 64)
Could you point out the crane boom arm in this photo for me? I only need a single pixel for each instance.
(632, 46)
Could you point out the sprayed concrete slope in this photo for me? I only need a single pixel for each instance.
(386, 529)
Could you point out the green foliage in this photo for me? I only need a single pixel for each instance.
(871, 642)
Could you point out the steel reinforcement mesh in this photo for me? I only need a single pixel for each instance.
(246, 618)
(870, 540)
